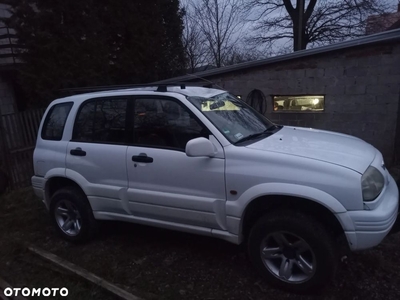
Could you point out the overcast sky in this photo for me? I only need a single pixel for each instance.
(287, 43)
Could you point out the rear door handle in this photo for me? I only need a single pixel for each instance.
(143, 158)
(78, 152)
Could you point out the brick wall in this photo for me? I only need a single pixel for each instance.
(361, 88)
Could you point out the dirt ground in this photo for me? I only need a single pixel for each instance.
(160, 264)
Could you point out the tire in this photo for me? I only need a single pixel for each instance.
(72, 215)
(303, 261)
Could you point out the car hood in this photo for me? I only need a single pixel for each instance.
(331, 147)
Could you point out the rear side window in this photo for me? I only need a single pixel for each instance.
(101, 121)
(54, 123)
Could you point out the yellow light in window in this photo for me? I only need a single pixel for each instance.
(315, 101)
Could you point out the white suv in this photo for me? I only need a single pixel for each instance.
(200, 160)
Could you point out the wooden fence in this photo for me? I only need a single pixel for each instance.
(18, 132)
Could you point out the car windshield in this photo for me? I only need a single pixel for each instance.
(236, 120)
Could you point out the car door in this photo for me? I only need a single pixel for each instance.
(96, 154)
(164, 183)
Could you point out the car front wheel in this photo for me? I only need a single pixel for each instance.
(292, 251)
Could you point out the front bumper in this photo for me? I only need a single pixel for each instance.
(367, 228)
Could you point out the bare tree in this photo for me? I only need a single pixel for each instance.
(311, 22)
(194, 42)
(220, 21)
(242, 53)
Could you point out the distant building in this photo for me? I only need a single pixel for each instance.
(379, 23)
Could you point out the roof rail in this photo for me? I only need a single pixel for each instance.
(161, 87)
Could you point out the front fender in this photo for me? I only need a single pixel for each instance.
(235, 209)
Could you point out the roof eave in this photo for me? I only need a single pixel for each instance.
(387, 36)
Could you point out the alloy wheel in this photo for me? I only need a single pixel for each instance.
(68, 218)
(288, 257)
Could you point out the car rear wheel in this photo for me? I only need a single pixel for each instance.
(72, 215)
(292, 251)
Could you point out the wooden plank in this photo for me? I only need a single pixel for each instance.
(25, 125)
(4, 153)
(5, 125)
(18, 128)
(21, 169)
(84, 273)
(8, 131)
(9, 144)
(39, 114)
(23, 132)
(35, 123)
(15, 131)
(14, 128)
(29, 126)
(19, 132)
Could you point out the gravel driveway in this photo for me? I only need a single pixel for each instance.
(160, 264)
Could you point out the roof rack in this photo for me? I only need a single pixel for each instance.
(161, 87)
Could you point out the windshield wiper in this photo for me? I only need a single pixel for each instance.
(273, 127)
(252, 136)
(269, 130)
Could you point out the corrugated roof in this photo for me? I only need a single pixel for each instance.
(387, 36)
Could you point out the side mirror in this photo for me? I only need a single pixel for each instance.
(200, 147)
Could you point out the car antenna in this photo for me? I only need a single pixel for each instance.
(206, 80)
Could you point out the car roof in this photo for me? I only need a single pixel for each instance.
(189, 91)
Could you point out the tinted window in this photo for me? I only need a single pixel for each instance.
(101, 120)
(53, 127)
(164, 123)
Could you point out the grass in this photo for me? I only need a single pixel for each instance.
(160, 264)
(23, 221)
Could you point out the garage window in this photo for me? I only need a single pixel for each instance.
(304, 103)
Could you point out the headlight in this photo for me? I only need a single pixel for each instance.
(372, 183)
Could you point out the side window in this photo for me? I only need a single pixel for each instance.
(164, 123)
(101, 121)
(54, 123)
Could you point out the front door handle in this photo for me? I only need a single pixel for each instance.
(78, 152)
(142, 158)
